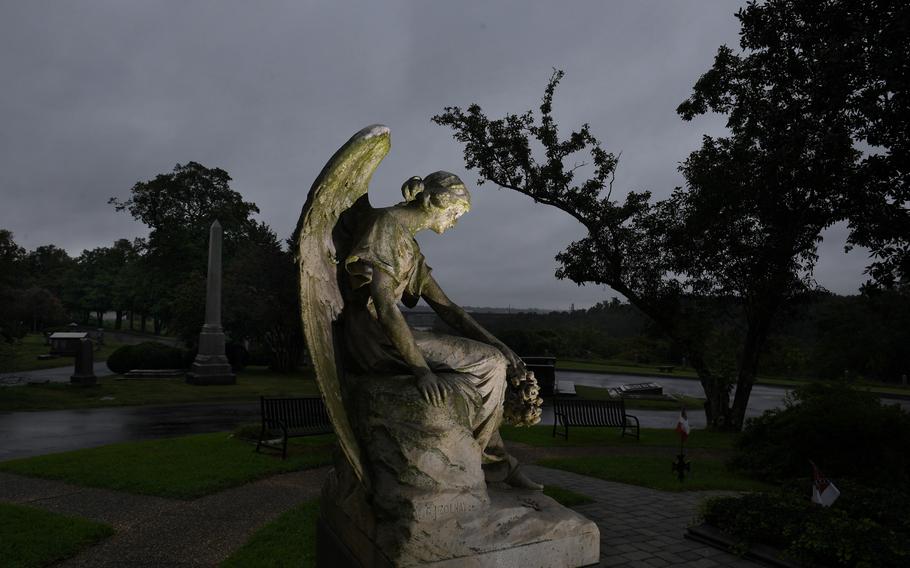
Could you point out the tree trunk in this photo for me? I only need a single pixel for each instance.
(131, 320)
(717, 395)
(118, 323)
(100, 315)
(756, 334)
(144, 318)
(284, 349)
(157, 324)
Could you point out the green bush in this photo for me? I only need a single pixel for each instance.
(858, 531)
(148, 355)
(846, 432)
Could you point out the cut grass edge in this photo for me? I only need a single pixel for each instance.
(34, 537)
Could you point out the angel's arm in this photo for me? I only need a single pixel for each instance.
(382, 291)
(455, 316)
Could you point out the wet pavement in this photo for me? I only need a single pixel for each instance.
(60, 374)
(24, 434)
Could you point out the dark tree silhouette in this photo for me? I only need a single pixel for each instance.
(743, 233)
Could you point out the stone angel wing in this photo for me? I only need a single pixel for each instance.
(342, 182)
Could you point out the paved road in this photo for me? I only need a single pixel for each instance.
(54, 375)
(25, 434)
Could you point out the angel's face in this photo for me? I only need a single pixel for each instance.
(443, 219)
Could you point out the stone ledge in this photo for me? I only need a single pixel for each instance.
(520, 528)
(712, 536)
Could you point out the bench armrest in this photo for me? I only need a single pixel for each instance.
(275, 422)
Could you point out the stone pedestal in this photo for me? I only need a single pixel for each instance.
(429, 503)
(211, 366)
(518, 528)
(84, 371)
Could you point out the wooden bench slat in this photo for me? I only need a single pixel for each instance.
(295, 417)
(611, 413)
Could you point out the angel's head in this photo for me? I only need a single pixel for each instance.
(441, 196)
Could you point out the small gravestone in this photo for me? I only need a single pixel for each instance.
(84, 373)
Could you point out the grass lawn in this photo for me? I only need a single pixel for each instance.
(32, 537)
(182, 468)
(252, 383)
(289, 540)
(662, 437)
(675, 403)
(635, 461)
(655, 472)
(24, 355)
(566, 497)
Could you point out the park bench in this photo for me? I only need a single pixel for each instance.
(576, 412)
(293, 417)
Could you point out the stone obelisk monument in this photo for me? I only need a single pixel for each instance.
(211, 366)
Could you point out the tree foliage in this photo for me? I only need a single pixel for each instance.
(746, 225)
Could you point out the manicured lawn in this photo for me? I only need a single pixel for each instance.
(597, 393)
(25, 355)
(182, 468)
(565, 496)
(289, 540)
(252, 383)
(32, 537)
(655, 472)
(542, 436)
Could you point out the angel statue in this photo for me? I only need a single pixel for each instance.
(423, 477)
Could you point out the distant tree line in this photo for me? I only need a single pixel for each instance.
(157, 284)
(825, 336)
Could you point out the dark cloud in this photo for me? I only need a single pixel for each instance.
(99, 95)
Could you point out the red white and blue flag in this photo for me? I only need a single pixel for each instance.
(682, 425)
(823, 491)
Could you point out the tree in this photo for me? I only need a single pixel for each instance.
(104, 281)
(263, 300)
(858, 61)
(12, 271)
(742, 234)
(179, 208)
(50, 267)
(260, 300)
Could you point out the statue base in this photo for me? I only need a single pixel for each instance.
(84, 380)
(211, 372)
(520, 528)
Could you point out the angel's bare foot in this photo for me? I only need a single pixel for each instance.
(518, 480)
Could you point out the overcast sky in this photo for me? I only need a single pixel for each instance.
(99, 95)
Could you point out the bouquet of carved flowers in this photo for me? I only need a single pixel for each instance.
(523, 402)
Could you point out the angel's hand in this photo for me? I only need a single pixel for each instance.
(432, 389)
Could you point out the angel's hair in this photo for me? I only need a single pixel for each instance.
(439, 190)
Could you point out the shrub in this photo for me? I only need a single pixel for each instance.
(846, 432)
(850, 533)
(148, 355)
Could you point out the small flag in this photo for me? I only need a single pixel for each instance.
(823, 491)
(682, 425)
